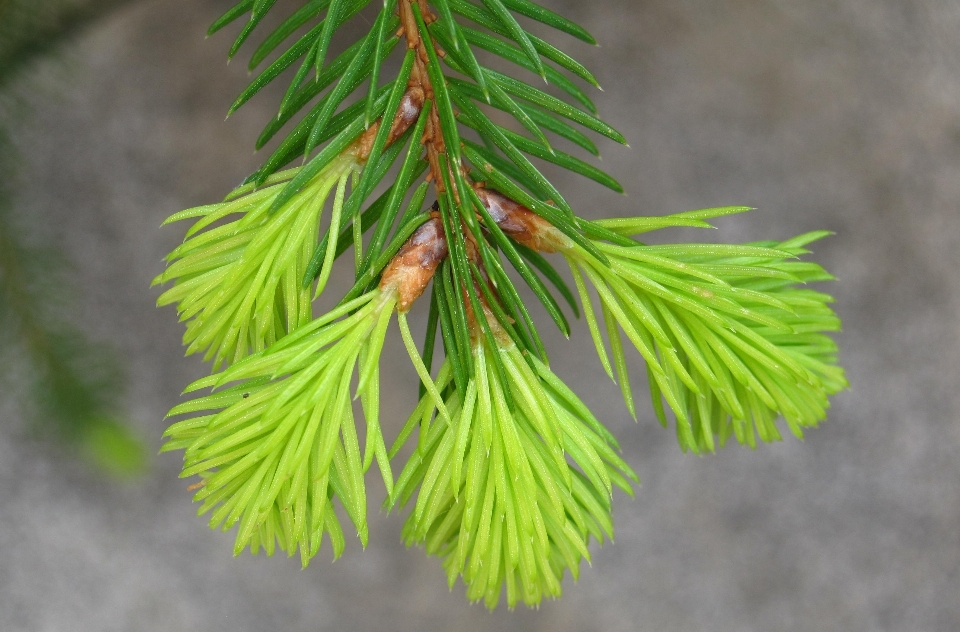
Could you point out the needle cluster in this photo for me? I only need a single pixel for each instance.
(510, 476)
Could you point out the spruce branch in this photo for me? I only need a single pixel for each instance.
(511, 472)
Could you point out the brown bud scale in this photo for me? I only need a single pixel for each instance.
(521, 224)
(410, 106)
(411, 270)
(407, 115)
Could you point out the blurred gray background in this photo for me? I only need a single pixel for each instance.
(836, 114)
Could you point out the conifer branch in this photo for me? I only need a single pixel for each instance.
(511, 475)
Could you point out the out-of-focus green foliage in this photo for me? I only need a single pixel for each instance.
(71, 385)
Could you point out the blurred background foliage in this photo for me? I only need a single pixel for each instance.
(69, 386)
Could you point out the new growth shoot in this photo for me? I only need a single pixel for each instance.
(511, 475)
